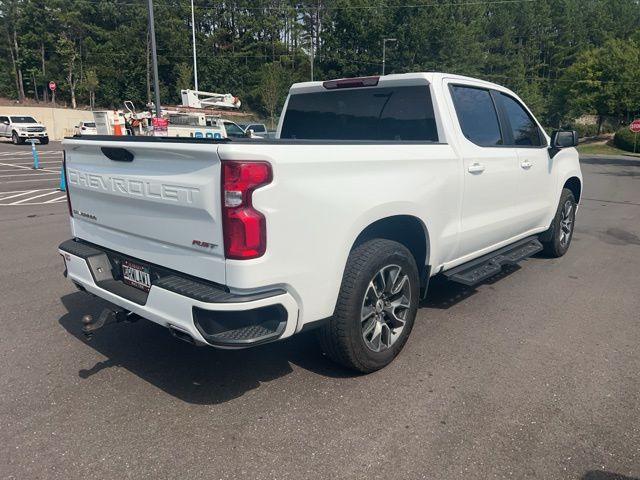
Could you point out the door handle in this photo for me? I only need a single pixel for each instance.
(526, 164)
(476, 168)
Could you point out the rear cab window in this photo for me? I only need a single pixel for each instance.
(477, 115)
(402, 113)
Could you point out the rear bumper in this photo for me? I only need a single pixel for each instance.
(208, 313)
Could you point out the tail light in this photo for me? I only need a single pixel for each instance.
(66, 182)
(351, 82)
(245, 229)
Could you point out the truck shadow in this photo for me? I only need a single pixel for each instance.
(198, 375)
(203, 375)
(444, 294)
(601, 475)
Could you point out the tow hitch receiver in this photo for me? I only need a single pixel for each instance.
(108, 316)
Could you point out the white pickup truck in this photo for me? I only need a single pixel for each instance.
(374, 185)
(20, 128)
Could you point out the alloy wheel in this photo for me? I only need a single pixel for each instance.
(385, 308)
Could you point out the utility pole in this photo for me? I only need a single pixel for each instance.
(384, 53)
(193, 35)
(154, 55)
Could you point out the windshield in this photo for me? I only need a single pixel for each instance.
(233, 130)
(23, 120)
(395, 113)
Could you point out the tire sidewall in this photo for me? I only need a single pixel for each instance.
(398, 256)
(566, 196)
(15, 139)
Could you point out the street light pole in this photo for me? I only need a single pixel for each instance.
(193, 34)
(384, 53)
(154, 55)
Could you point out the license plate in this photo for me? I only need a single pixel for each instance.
(136, 275)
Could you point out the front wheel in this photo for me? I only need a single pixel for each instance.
(44, 140)
(557, 239)
(376, 307)
(16, 139)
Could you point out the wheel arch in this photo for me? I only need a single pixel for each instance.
(407, 230)
(575, 185)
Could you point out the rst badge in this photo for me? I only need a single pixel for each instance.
(201, 244)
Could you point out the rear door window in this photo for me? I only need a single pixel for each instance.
(387, 114)
(477, 115)
(524, 130)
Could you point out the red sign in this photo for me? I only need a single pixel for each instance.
(160, 122)
(635, 126)
(160, 126)
(52, 85)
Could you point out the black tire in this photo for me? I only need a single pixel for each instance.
(44, 141)
(16, 139)
(557, 239)
(343, 337)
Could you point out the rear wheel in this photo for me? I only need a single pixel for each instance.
(16, 139)
(376, 307)
(557, 239)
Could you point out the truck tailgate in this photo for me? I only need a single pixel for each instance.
(161, 206)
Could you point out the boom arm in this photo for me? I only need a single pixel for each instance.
(200, 99)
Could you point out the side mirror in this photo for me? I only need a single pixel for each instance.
(6, 122)
(564, 139)
(249, 133)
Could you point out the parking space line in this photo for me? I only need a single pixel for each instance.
(21, 154)
(15, 166)
(34, 180)
(18, 194)
(33, 198)
(46, 161)
(35, 172)
(57, 199)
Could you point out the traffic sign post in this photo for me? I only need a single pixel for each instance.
(52, 87)
(635, 128)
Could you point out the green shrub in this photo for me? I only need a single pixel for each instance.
(624, 139)
(585, 130)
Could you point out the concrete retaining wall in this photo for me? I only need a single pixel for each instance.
(59, 121)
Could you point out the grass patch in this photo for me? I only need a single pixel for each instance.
(604, 149)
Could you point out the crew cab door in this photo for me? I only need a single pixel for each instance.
(490, 213)
(535, 177)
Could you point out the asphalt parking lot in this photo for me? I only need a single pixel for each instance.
(533, 374)
(20, 183)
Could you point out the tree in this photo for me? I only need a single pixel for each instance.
(184, 77)
(272, 88)
(603, 81)
(90, 84)
(11, 12)
(66, 48)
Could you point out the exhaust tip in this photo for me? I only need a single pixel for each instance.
(182, 335)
